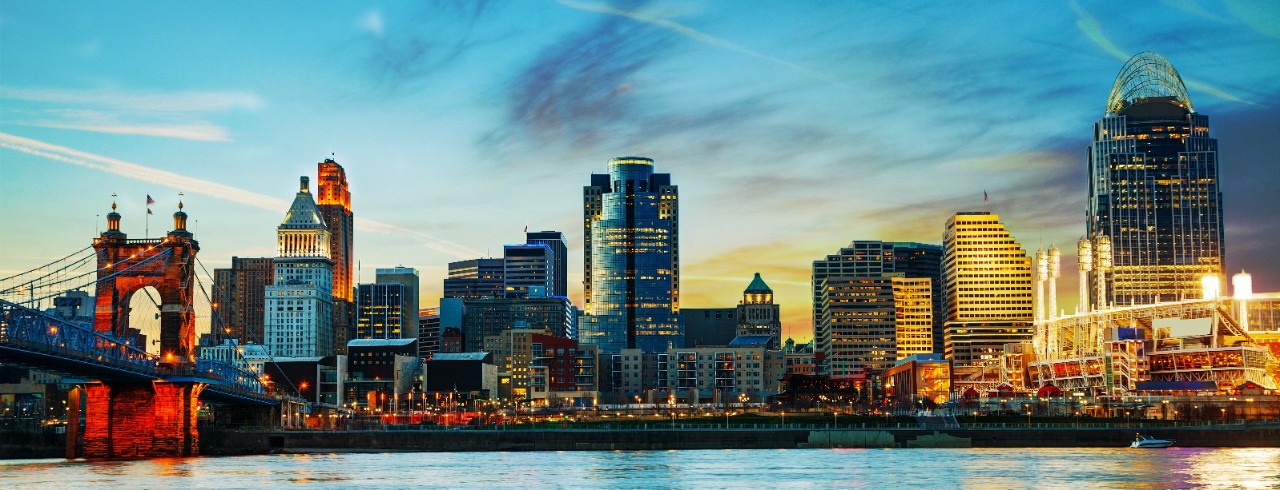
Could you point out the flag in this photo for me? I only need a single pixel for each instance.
(150, 201)
(148, 211)
(984, 195)
(526, 228)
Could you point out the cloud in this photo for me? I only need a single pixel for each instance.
(702, 37)
(175, 115)
(207, 188)
(401, 54)
(371, 22)
(167, 102)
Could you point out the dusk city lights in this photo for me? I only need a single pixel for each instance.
(639, 244)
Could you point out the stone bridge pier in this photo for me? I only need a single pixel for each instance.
(138, 420)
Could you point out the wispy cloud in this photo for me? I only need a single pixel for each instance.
(402, 54)
(206, 187)
(702, 37)
(1092, 29)
(168, 102)
(178, 115)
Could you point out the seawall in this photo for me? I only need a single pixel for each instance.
(259, 442)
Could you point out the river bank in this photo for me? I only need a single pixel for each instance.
(262, 442)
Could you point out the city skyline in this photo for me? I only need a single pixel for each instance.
(454, 144)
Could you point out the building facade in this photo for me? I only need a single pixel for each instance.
(334, 202)
(492, 316)
(872, 258)
(528, 265)
(380, 311)
(475, 278)
(1154, 187)
(408, 278)
(560, 248)
(632, 265)
(299, 306)
(758, 314)
(239, 295)
(987, 288)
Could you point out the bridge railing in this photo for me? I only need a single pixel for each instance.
(229, 376)
(31, 330)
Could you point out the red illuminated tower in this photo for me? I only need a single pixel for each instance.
(335, 207)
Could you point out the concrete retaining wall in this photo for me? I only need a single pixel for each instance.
(217, 442)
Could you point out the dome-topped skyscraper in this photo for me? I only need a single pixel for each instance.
(758, 314)
(1154, 187)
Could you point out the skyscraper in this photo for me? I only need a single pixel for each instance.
(239, 294)
(555, 240)
(986, 287)
(388, 309)
(1153, 187)
(632, 278)
(334, 204)
(528, 265)
(475, 278)
(873, 259)
(299, 306)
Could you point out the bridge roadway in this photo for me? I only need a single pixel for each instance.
(33, 339)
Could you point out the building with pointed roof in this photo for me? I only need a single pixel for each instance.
(758, 314)
(298, 317)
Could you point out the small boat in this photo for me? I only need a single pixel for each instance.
(1141, 441)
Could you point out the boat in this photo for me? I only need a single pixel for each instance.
(1145, 442)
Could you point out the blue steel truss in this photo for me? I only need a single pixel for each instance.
(35, 339)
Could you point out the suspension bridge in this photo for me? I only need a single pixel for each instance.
(136, 403)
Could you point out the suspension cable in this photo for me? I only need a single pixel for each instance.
(46, 265)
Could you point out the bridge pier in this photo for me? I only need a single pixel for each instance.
(141, 420)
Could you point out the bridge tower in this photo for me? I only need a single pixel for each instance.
(132, 419)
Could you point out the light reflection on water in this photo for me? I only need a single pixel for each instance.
(811, 468)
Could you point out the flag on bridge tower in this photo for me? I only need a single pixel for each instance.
(150, 201)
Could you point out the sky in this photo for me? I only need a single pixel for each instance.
(791, 128)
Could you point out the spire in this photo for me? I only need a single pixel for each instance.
(305, 185)
(113, 218)
(180, 217)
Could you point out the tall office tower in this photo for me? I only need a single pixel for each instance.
(334, 202)
(560, 248)
(299, 307)
(407, 277)
(239, 295)
(986, 287)
(632, 259)
(758, 314)
(856, 325)
(475, 278)
(380, 311)
(871, 259)
(1153, 187)
(912, 316)
(528, 265)
(428, 332)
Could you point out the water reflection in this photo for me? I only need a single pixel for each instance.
(959, 468)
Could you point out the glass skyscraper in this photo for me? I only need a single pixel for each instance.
(1153, 187)
(632, 259)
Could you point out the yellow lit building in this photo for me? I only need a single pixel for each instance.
(986, 284)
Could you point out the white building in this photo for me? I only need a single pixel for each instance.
(297, 320)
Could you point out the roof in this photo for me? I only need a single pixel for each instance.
(750, 340)
(460, 356)
(303, 213)
(758, 286)
(380, 342)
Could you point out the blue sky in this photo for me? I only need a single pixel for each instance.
(790, 127)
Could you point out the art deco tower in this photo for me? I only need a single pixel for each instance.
(632, 273)
(299, 306)
(334, 203)
(1153, 187)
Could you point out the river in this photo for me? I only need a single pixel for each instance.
(757, 468)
